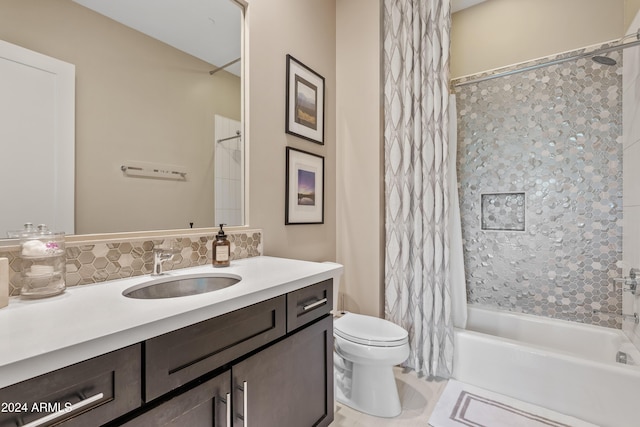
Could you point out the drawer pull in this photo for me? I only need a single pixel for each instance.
(227, 403)
(245, 401)
(228, 409)
(66, 411)
(314, 304)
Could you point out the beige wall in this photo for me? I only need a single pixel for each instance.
(305, 29)
(360, 189)
(136, 99)
(498, 33)
(631, 8)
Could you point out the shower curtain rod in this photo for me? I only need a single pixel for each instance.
(212, 72)
(237, 135)
(619, 45)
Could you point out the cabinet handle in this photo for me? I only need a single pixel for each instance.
(245, 402)
(228, 409)
(314, 304)
(227, 402)
(65, 411)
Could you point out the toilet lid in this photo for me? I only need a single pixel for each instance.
(369, 330)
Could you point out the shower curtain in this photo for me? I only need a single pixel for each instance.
(456, 256)
(416, 121)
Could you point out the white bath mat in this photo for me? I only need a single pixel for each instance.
(465, 405)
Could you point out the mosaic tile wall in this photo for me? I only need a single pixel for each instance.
(101, 261)
(554, 134)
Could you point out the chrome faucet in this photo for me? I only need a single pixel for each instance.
(160, 255)
(634, 317)
(628, 283)
(633, 283)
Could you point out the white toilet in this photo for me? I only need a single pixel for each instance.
(365, 350)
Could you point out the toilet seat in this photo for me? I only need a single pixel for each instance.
(369, 330)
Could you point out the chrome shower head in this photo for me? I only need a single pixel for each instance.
(604, 60)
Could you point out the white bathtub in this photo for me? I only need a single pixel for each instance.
(565, 366)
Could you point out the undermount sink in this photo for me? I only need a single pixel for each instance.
(172, 287)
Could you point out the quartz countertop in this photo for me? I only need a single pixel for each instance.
(39, 336)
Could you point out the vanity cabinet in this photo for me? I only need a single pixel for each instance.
(269, 364)
(279, 355)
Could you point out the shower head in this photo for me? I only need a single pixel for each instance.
(604, 60)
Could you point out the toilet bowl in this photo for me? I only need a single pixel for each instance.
(365, 350)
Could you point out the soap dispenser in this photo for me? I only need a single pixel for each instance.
(221, 250)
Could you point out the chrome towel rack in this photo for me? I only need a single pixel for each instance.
(152, 172)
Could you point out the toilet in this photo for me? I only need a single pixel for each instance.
(365, 350)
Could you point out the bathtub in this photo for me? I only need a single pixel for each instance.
(565, 366)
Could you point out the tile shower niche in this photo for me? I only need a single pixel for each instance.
(502, 211)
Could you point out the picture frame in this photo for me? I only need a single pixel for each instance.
(304, 200)
(304, 102)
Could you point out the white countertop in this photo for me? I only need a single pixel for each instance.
(39, 336)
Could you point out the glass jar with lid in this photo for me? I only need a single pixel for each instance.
(43, 263)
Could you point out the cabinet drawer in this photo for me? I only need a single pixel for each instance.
(174, 359)
(92, 392)
(308, 304)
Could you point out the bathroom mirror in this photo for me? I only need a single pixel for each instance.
(158, 108)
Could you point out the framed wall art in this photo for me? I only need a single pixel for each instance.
(304, 102)
(304, 202)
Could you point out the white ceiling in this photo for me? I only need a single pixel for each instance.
(207, 29)
(457, 5)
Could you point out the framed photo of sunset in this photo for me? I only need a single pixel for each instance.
(304, 201)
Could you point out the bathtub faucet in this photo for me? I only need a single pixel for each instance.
(629, 283)
(633, 285)
(634, 317)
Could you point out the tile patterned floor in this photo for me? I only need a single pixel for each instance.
(418, 397)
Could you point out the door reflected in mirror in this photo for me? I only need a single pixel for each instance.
(149, 99)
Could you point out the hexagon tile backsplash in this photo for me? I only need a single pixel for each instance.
(102, 260)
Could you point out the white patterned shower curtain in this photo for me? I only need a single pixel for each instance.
(416, 103)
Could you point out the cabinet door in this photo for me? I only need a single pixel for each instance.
(205, 405)
(289, 384)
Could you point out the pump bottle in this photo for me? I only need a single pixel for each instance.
(221, 249)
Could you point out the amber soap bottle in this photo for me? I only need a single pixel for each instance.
(221, 249)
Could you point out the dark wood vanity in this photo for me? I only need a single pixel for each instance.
(268, 364)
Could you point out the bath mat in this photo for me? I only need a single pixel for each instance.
(465, 405)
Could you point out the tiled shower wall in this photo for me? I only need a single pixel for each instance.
(101, 260)
(229, 161)
(544, 148)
